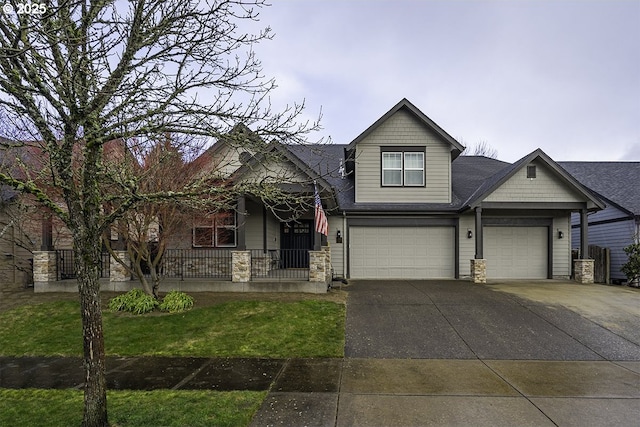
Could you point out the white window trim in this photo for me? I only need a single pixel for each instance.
(405, 169)
(402, 169)
(392, 169)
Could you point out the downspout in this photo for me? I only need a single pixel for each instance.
(344, 245)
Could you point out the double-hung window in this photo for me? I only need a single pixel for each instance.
(216, 231)
(403, 167)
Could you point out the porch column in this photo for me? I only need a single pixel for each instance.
(479, 251)
(317, 239)
(479, 264)
(583, 267)
(584, 235)
(47, 233)
(242, 214)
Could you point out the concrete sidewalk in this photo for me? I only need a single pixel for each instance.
(376, 392)
(412, 392)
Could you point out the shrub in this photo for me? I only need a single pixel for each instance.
(134, 301)
(632, 267)
(176, 302)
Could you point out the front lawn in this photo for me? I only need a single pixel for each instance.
(270, 329)
(236, 328)
(54, 408)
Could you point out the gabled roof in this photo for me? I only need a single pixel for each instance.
(283, 152)
(404, 104)
(499, 178)
(617, 182)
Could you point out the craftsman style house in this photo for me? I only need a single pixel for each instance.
(402, 203)
(412, 207)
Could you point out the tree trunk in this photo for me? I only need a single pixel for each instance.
(88, 274)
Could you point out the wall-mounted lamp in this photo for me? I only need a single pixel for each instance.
(560, 234)
(338, 237)
(469, 233)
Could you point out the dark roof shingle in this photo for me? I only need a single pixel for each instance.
(618, 182)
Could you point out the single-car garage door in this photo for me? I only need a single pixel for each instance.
(401, 252)
(516, 252)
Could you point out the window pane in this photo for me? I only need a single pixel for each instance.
(226, 218)
(414, 160)
(225, 236)
(203, 236)
(413, 177)
(392, 177)
(391, 160)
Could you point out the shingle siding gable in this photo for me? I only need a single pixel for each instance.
(545, 187)
(403, 129)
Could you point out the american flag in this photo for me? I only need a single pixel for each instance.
(322, 225)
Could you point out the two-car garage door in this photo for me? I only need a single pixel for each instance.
(429, 252)
(402, 252)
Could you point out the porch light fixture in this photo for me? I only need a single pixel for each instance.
(469, 233)
(560, 234)
(338, 237)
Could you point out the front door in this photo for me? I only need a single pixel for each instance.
(296, 240)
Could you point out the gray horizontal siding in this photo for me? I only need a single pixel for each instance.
(615, 236)
(402, 129)
(546, 187)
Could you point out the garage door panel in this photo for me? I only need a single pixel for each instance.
(516, 252)
(402, 252)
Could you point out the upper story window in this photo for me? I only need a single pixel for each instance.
(403, 167)
(215, 231)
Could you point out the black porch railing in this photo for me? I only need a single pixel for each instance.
(197, 264)
(65, 264)
(280, 264)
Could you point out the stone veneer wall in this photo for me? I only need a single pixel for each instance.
(479, 270)
(583, 270)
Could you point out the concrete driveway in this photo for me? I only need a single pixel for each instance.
(459, 320)
(451, 353)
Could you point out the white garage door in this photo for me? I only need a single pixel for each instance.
(516, 252)
(401, 252)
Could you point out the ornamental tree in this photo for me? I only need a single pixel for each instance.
(85, 83)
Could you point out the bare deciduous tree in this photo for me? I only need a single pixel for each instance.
(84, 74)
(483, 148)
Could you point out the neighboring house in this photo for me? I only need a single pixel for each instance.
(402, 203)
(617, 226)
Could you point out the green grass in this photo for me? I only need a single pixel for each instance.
(269, 329)
(44, 408)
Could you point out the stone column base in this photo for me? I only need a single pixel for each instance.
(583, 270)
(117, 272)
(317, 266)
(240, 266)
(479, 270)
(44, 266)
(327, 264)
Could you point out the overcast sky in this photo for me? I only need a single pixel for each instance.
(563, 76)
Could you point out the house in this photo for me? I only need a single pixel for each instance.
(618, 225)
(411, 207)
(402, 203)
